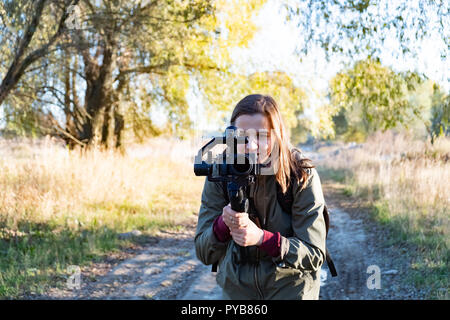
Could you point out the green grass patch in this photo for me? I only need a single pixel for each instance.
(349, 190)
(422, 231)
(338, 175)
(31, 261)
(426, 247)
(36, 255)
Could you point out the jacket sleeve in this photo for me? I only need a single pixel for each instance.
(306, 249)
(207, 247)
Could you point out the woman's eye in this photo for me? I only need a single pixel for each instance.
(262, 136)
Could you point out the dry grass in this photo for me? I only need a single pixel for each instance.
(407, 182)
(409, 174)
(42, 181)
(82, 201)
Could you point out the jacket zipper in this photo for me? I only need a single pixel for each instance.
(256, 276)
(257, 250)
(254, 192)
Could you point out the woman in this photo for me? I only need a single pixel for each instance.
(284, 255)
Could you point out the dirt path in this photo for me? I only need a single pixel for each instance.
(169, 269)
(368, 266)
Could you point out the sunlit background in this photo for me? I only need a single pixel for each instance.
(103, 105)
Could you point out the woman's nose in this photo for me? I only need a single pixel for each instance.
(252, 146)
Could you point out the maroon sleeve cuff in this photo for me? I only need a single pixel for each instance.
(221, 230)
(271, 243)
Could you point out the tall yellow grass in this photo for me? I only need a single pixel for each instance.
(411, 175)
(41, 180)
(407, 182)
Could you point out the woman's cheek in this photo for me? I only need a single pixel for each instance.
(265, 149)
(240, 148)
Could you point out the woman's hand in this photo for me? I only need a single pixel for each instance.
(234, 219)
(250, 235)
(243, 230)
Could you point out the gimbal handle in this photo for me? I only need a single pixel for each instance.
(238, 200)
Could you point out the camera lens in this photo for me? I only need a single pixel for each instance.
(202, 169)
(242, 168)
(239, 168)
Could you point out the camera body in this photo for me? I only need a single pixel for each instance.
(230, 166)
(237, 170)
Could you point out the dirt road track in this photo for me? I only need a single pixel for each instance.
(167, 268)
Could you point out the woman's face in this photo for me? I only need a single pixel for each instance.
(256, 127)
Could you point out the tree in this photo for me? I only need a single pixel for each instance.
(374, 97)
(439, 123)
(122, 39)
(25, 48)
(291, 99)
(361, 27)
(224, 95)
(352, 30)
(129, 56)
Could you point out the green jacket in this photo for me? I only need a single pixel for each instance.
(295, 274)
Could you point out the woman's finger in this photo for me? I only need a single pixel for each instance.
(242, 220)
(236, 237)
(227, 215)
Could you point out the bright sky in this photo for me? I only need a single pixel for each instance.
(277, 39)
(273, 48)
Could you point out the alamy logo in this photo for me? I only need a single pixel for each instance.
(374, 280)
(236, 140)
(74, 281)
(73, 19)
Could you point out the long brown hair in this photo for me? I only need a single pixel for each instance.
(290, 163)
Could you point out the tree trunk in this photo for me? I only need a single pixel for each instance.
(119, 124)
(68, 110)
(21, 62)
(98, 103)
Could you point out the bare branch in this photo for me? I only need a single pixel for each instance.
(58, 127)
(19, 66)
